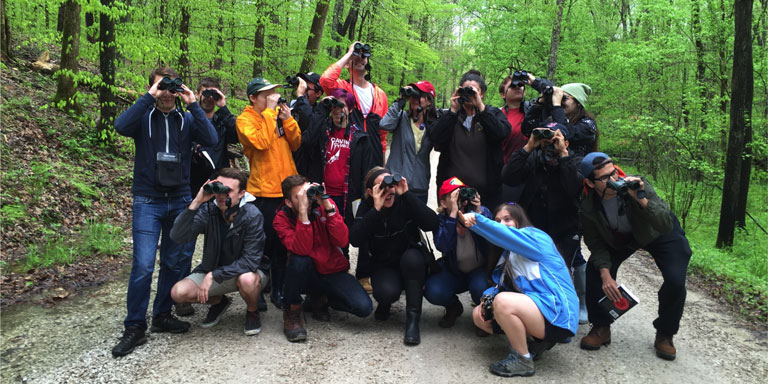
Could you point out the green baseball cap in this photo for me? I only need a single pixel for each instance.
(259, 84)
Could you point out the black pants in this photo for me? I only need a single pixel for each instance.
(671, 253)
(388, 280)
(273, 248)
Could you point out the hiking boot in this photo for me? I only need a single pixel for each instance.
(184, 309)
(320, 308)
(215, 311)
(452, 312)
(166, 322)
(252, 323)
(382, 312)
(513, 365)
(292, 328)
(132, 338)
(365, 282)
(598, 336)
(262, 304)
(665, 349)
(538, 347)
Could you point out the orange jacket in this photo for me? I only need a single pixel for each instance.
(330, 81)
(268, 154)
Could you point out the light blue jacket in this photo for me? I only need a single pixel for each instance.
(539, 270)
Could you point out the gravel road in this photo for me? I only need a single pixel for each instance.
(71, 343)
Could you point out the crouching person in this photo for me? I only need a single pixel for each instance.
(233, 254)
(314, 233)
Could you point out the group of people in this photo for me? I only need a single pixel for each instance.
(518, 188)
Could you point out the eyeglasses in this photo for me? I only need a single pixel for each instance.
(605, 178)
(519, 85)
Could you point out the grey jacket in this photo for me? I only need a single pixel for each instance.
(403, 157)
(243, 249)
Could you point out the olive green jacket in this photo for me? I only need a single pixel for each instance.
(647, 224)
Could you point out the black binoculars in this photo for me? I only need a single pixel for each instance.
(215, 187)
(622, 187)
(172, 85)
(362, 50)
(315, 190)
(291, 82)
(281, 100)
(409, 92)
(332, 102)
(467, 193)
(465, 93)
(212, 93)
(487, 308)
(519, 77)
(391, 180)
(543, 133)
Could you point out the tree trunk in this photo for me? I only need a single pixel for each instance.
(741, 110)
(349, 23)
(554, 43)
(107, 59)
(70, 50)
(184, 70)
(315, 36)
(217, 61)
(258, 43)
(6, 54)
(338, 8)
(91, 33)
(700, 69)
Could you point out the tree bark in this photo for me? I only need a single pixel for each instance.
(315, 36)
(107, 59)
(217, 60)
(184, 70)
(700, 68)
(349, 23)
(554, 43)
(258, 42)
(70, 50)
(91, 33)
(338, 8)
(742, 88)
(6, 54)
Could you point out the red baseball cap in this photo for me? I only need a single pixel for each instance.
(450, 185)
(424, 86)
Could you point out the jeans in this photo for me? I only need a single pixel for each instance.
(344, 292)
(442, 287)
(273, 248)
(152, 216)
(671, 252)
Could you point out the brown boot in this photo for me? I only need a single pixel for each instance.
(598, 336)
(320, 308)
(292, 328)
(664, 347)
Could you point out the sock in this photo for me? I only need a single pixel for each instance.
(527, 355)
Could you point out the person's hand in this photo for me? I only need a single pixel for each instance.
(455, 105)
(531, 78)
(352, 47)
(476, 202)
(477, 100)
(285, 112)
(633, 192)
(222, 102)
(187, 96)
(201, 197)
(402, 186)
(557, 96)
(453, 203)
(559, 143)
(467, 219)
(378, 196)
(205, 286)
(610, 288)
(153, 89)
(272, 100)
(301, 89)
(533, 142)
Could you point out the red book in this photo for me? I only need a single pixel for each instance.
(628, 300)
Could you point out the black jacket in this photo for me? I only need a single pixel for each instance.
(243, 249)
(581, 134)
(206, 159)
(309, 156)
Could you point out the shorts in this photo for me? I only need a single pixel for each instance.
(551, 332)
(226, 286)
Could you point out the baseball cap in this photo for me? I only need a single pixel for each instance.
(450, 185)
(424, 86)
(588, 163)
(557, 127)
(310, 77)
(259, 84)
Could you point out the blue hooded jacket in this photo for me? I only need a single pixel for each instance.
(539, 270)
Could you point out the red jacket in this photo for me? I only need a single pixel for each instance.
(321, 239)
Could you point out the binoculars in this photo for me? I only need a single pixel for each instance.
(363, 50)
(543, 133)
(409, 92)
(465, 93)
(622, 187)
(291, 82)
(391, 180)
(211, 93)
(315, 190)
(520, 77)
(487, 301)
(467, 193)
(215, 187)
(281, 100)
(172, 85)
(332, 102)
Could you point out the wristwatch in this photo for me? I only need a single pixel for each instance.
(332, 210)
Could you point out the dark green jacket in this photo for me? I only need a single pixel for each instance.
(647, 224)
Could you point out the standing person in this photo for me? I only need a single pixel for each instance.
(388, 223)
(308, 157)
(313, 231)
(469, 139)
(616, 224)
(370, 98)
(566, 105)
(233, 256)
(269, 135)
(411, 147)
(463, 265)
(533, 295)
(162, 134)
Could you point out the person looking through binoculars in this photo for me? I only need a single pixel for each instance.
(308, 157)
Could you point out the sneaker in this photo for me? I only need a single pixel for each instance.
(538, 347)
(452, 312)
(132, 338)
(215, 311)
(184, 309)
(598, 336)
(252, 323)
(166, 322)
(665, 349)
(513, 365)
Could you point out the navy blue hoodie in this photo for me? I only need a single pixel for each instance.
(153, 132)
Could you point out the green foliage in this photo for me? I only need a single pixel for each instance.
(55, 251)
(102, 238)
(11, 213)
(38, 178)
(95, 237)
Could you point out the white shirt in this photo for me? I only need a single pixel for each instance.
(365, 97)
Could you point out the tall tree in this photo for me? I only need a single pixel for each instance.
(70, 52)
(258, 42)
(554, 43)
(5, 31)
(184, 70)
(742, 88)
(315, 36)
(107, 58)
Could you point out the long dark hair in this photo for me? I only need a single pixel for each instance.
(521, 219)
(579, 113)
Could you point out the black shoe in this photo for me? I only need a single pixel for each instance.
(382, 312)
(215, 311)
(262, 304)
(276, 297)
(132, 338)
(252, 323)
(413, 297)
(452, 312)
(166, 322)
(184, 309)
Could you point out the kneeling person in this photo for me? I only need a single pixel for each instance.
(233, 255)
(315, 234)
